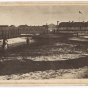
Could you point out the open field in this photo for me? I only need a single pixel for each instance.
(51, 56)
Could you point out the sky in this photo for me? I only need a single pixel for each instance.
(42, 14)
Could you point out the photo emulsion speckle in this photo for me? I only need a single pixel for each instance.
(40, 42)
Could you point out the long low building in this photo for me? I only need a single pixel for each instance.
(73, 26)
(63, 27)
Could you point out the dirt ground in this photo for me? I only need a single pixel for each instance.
(51, 56)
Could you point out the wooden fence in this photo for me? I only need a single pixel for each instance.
(9, 33)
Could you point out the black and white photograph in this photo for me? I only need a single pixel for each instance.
(42, 41)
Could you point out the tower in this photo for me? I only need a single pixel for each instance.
(57, 23)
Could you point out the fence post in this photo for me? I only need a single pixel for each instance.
(2, 34)
(18, 32)
(8, 34)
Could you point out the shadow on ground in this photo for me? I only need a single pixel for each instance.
(23, 66)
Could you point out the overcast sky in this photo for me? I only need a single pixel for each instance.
(40, 15)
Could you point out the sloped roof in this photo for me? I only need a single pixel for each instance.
(52, 25)
(46, 26)
(23, 26)
(73, 24)
(3, 25)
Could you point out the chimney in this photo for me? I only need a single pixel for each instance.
(57, 22)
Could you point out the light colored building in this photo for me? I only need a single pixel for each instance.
(52, 27)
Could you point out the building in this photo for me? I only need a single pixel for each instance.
(25, 29)
(52, 27)
(4, 27)
(73, 26)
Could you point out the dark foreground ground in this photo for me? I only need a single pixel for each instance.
(50, 56)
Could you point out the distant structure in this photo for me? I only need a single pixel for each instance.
(52, 27)
(4, 27)
(73, 26)
(57, 23)
(25, 29)
(61, 27)
(46, 26)
(8, 31)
